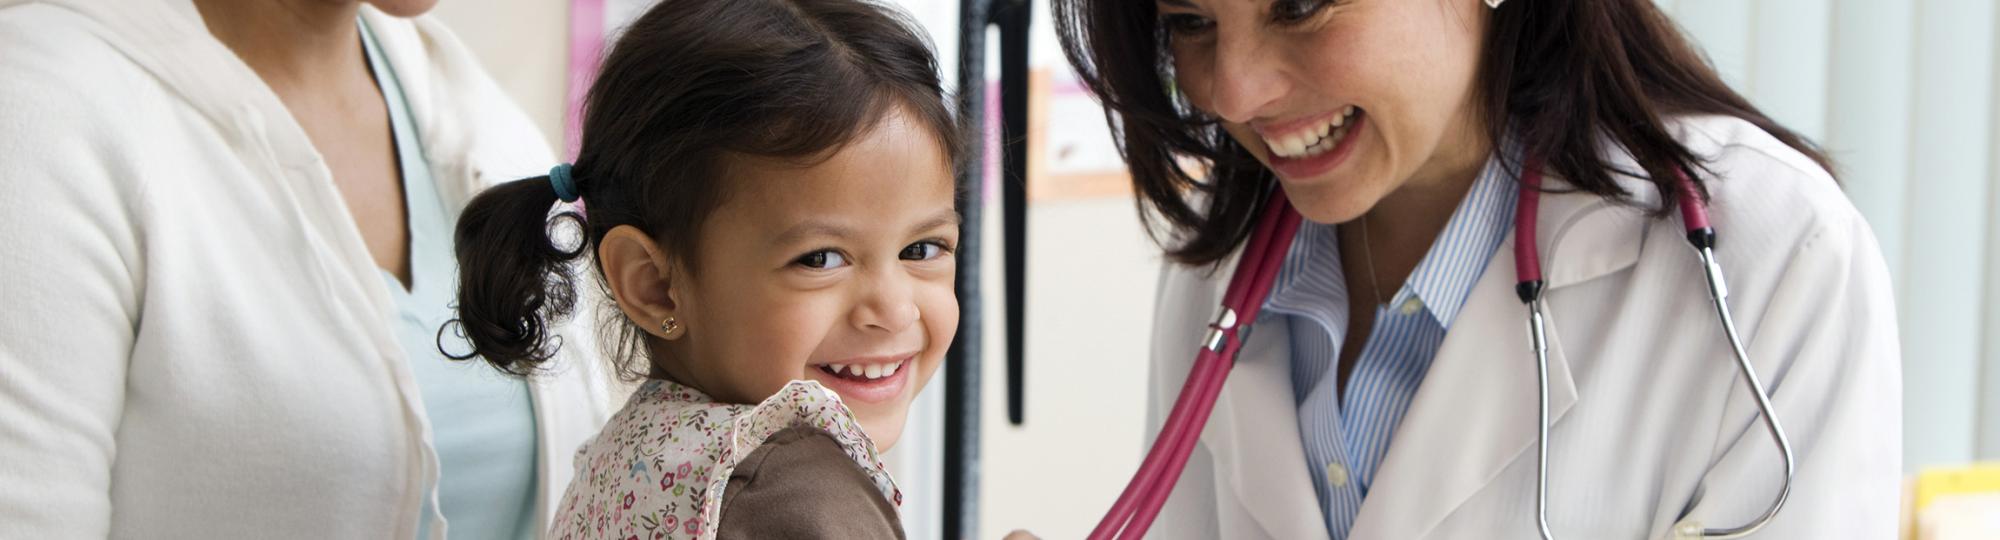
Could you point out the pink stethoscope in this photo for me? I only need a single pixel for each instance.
(1269, 242)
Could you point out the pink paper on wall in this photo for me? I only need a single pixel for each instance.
(586, 49)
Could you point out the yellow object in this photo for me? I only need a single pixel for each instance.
(1971, 479)
(1928, 487)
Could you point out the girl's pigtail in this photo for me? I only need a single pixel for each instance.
(515, 282)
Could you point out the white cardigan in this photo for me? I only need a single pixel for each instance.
(194, 341)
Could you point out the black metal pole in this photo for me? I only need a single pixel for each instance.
(963, 364)
(1012, 18)
(961, 369)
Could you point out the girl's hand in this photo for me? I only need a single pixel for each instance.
(1021, 535)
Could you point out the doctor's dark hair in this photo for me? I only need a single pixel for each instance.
(687, 85)
(1556, 76)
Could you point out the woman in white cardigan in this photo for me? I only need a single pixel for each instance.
(217, 311)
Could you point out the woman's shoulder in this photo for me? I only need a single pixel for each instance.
(79, 114)
(1764, 191)
(39, 34)
(60, 77)
(1763, 195)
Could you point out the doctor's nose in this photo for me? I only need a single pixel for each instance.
(1244, 79)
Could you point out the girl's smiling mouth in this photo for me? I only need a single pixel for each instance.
(871, 379)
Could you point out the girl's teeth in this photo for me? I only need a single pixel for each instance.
(870, 371)
(867, 373)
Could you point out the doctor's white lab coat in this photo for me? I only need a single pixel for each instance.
(1652, 424)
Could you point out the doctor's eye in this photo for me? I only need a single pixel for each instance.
(1185, 25)
(825, 259)
(1296, 11)
(925, 250)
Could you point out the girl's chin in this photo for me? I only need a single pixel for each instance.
(884, 428)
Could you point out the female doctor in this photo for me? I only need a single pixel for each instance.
(1389, 390)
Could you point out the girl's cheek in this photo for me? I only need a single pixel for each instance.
(940, 315)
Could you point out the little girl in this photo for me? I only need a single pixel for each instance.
(766, 186)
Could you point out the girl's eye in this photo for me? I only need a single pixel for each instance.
(825, 259)
(1186, 24)
(923, 251)
(1295, 11)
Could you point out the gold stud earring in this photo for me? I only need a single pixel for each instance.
(669, 326)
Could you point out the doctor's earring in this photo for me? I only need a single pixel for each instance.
(1494, 4)
(670, 328)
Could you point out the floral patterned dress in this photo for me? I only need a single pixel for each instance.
(658, 468)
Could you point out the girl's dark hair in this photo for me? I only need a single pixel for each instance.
(688, 84)
(1555, 76)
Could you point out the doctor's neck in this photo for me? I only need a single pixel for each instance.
(294, 44)
(1418, 209)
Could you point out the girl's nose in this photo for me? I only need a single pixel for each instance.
(889, 304)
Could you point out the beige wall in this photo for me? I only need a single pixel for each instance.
(524, 44)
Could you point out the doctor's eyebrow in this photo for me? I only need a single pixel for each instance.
(1178, 3)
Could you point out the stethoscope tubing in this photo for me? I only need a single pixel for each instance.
(1701, 234)
(1256, 272)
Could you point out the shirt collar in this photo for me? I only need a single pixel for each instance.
(1311, 278)
(1459, 255)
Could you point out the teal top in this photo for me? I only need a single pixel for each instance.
(482, 422)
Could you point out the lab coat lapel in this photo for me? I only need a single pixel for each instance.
(1254, 436)
(1475, 413)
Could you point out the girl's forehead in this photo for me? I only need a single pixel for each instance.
(894, 158)
(894, 173)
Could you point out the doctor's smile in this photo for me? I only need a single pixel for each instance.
(1305, 149)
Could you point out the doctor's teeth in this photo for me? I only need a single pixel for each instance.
(1312, 140)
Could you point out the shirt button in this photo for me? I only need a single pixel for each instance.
(1411, 306)
(1336, 475)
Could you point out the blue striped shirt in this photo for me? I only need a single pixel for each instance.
(1347, 433)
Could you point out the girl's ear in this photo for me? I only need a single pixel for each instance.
(641, 277)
